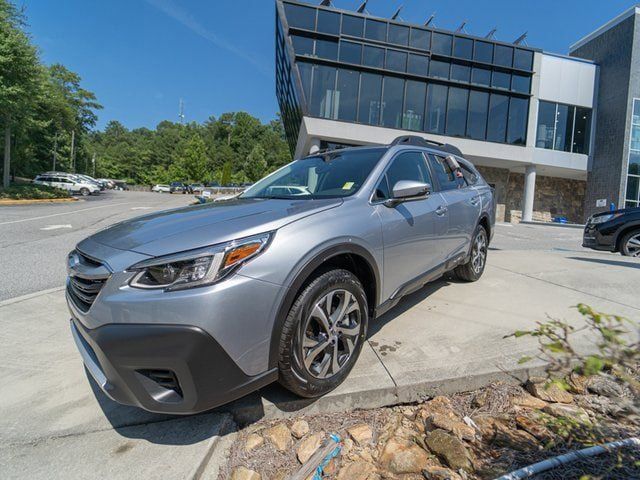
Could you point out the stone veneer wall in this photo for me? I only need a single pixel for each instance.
(554, 196)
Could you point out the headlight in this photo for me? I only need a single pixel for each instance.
(604, 218)
(197, 268)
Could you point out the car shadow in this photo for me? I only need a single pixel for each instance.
(601, 261)
(135, 423)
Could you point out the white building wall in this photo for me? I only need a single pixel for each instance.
(567, 80)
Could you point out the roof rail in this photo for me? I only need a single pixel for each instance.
(418, 141)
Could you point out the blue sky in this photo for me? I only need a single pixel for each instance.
(141, 56)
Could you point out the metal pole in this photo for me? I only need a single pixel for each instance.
(93, 161)
(7, 151)
(73, 144)
(55, 152)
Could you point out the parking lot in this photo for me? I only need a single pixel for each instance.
(447, 337)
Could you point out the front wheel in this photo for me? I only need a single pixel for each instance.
(85, 192)
(630, 244)
(474, 268)
(323, 334)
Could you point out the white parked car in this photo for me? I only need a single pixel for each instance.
(161, 188)
(69, 182)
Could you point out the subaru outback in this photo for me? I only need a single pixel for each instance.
(184, 310)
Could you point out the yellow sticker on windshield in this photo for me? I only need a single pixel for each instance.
(348, 186)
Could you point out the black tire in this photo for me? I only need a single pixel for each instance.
(626, 248)
(474, 268)
(85, 192)
(293, 374)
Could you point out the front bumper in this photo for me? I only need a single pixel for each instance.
(592, 238)
(174, 369)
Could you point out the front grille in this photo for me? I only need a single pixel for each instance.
(84, 291)
(87, 276)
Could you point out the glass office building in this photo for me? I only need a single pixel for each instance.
(526, 118)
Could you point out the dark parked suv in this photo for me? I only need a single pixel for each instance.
(617, 231)
(279, 283)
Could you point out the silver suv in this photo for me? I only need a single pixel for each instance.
(187, 309)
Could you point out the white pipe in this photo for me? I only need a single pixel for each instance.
(554, 462)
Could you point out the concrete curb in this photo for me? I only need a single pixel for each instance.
(553, 224)
(35, 201)
(29, 296)
(227, 426)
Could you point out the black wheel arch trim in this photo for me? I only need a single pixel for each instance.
(623, 230)
(303, 275)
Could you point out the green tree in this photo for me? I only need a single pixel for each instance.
(256, 164)
(225, 176)
(20, 76)
(194, 160)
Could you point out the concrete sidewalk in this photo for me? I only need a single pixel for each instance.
(444, 338)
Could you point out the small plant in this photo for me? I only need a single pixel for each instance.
(32, 192)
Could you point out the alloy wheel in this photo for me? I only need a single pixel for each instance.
(479, 252)
(330, 333)
(633, 246)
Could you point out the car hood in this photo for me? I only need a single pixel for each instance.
(187, 228)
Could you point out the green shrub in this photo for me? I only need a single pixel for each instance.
(32, 192)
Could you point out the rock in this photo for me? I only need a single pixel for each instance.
(604, 386)
(242, 473)
(440, 405)
(361, 434)
(280, 436)
(569, 411)
(480, 399)
(515, 439)
(400, 456)
(358, 471)
(299, 429)
(526, 400)
(577, 383)
(452, 425)
(280, 475)
(253, 441)
(488, 426)
(309, 446)
(450, 449)
(599, 404)
(539, 431)
(347, 446)
(437, 472)
(549, 392)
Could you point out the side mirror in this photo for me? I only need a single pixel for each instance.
(408, 190)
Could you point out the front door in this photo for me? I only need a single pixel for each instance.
(411, 230)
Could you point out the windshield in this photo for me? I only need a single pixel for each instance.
(334, 175)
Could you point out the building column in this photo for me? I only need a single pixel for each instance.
(529, 193)
(315, 146)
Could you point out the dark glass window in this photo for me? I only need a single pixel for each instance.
(582, 130)
(503, 56)
(436, 108)
(521, 83)
(392, 101)
(564, 128)
(373, 57)
(634, 163)
(462, 73)
(633, 184)
(327, 49)
(457, 111)
(398, 34)
(305, 74)
(300, 17)
(518, 114)
(350, 52)
(497, 123)
(375, 30)
(420, 38)
(481, 76)
(477, 119)
(483, 52)
(347, 95)
(408, 166)
(501, 80)
(370, 98)
(302, 45)
(441, 43)
(328, 22)
(446, 177)
(413, 116)
(439, 69)
(523, 59)
(382, 190)
(323, 92)
(546, 125)
(418, 64)
(463, 48)
(353, 26)
(397, 60)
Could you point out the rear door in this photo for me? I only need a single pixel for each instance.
(411, 230)
(463, 205)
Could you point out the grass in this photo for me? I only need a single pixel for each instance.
(32, 192)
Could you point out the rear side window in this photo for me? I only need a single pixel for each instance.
(446, 177)
(470, 177)
(406, 166)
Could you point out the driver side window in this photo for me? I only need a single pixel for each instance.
(406, 166)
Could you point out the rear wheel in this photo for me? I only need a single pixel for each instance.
(85, 192)
(323, 334)
(630, 244)
(474, 268)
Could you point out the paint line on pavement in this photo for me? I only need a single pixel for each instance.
(141, 208)
(63, 213)
(56, 227)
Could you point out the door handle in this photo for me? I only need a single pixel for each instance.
(441, 210)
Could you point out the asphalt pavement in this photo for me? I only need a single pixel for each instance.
(35, 239)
